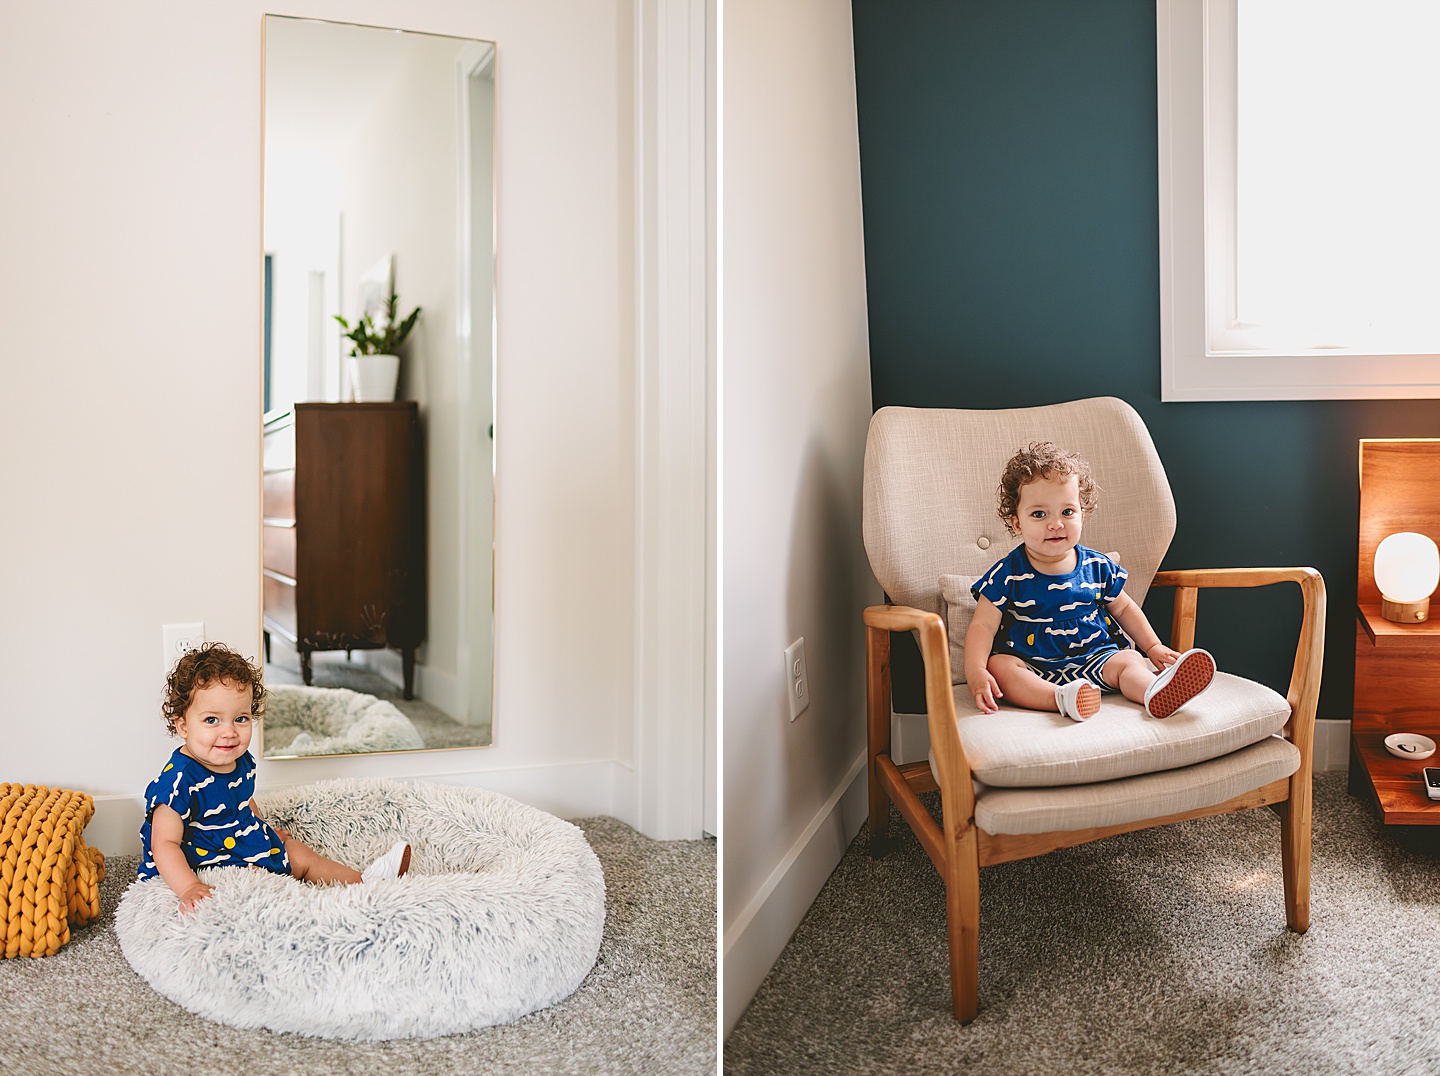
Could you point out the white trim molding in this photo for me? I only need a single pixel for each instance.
(1205, 352)
(760, 933)
(672, 407)
(474, 335)
(565, 789)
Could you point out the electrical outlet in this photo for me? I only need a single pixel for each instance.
(178, 638)
(797, 679)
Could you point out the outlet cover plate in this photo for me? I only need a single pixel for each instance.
(178, 638)
(797, 678)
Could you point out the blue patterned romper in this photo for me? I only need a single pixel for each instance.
(220, 828)
(1057, 624)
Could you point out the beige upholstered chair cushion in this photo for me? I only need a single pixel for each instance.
(1017, 748)
(931, 475)
(1134, 799)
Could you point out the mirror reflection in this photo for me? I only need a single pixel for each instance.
(378, 427)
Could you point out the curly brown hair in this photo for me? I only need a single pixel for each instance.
(1042, 459)
(208, 664)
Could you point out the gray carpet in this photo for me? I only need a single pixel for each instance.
(648, 1006)
(1163, 951)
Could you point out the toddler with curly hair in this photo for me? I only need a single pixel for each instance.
(1047, 631)
(200, 812)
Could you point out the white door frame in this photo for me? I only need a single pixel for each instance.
(675, 682)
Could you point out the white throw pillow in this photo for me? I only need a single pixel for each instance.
(960, 608)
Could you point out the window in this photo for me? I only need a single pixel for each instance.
(1299, 215)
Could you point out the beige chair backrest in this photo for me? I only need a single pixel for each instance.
(931, 476)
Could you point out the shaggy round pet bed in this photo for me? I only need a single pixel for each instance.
(335, 721)
(500, 915)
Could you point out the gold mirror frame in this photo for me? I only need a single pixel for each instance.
(352, 150)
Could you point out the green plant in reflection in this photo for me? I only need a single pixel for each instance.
(367, 338)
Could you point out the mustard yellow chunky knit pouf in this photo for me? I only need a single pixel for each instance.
(49, 877)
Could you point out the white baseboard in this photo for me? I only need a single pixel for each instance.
(439, 689)
(758, 936)
(1332, 745)
(567, 790)
(910, 741)
(909, 738)
(115, 829)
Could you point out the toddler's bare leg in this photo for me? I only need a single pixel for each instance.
(310, 866)
(1020, 683)
(1131, 672)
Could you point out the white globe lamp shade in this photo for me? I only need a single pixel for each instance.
(1407, 570)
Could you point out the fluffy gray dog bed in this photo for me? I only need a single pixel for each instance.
(500, 915)
(334, 721)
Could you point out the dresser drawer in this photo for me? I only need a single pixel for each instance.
(279, 549)
(279, 497)
(280, 604)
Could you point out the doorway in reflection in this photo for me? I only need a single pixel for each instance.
(378, 537)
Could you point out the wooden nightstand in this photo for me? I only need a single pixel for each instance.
(1397, 666)
(1397, 689)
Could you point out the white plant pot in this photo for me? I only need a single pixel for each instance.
(374, 377)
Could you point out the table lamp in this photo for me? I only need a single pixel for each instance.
(1407, 569)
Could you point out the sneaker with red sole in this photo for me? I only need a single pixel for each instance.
(393, 864)
(1179, 683)
(1078, 700)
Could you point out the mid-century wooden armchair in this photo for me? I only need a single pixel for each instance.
(1021, 783)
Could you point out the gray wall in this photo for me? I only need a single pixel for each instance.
(1008, 164)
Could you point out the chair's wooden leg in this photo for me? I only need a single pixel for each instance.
(1295, 851)
(962, 913)
(877, 686)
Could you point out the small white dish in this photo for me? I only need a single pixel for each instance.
(1409, 745)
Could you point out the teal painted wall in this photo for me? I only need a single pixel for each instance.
(1008, 164)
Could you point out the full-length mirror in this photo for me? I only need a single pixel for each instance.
(378, 428)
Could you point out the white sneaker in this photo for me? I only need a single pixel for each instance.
(1078, 700)
(392, 864)
(1179, 683)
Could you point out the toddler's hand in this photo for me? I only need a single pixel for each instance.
(283, 834)
(986, 691)
(1161, 655)
(193, 896)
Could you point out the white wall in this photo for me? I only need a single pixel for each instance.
(130, 289)
(796, 405)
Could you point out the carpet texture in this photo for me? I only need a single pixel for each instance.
(647, 1006)
(333, 721)
(1163, 951)
(500, 915)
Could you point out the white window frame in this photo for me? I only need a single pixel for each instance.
(1204, 353)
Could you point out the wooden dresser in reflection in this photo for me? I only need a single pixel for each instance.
(344, 529)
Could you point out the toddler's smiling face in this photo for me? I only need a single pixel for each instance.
(1049, 520)
(217, 725)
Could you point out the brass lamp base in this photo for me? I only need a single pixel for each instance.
(1405, 612)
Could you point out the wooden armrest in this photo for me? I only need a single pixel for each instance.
(1304, 692)
(950, 761)
(1236, 577)
(901, 618)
